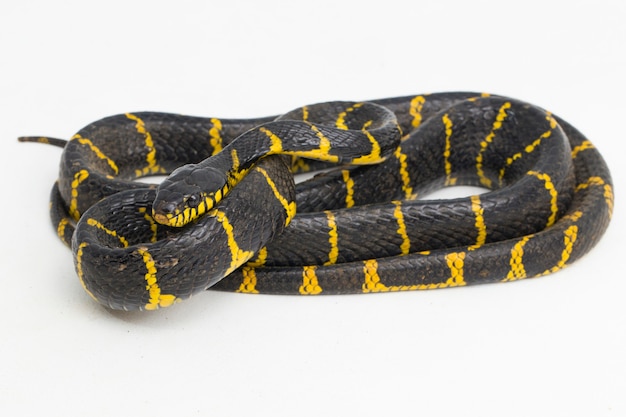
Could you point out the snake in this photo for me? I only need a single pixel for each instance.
(229, 216)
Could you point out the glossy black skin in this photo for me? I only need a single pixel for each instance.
(296, 133)
(189, 259)
(515, 208)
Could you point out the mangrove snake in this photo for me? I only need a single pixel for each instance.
(227, 221)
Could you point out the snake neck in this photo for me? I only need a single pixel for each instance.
(193, 190)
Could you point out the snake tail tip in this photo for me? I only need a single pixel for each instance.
(43, 139)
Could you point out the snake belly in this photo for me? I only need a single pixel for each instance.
(358, 229)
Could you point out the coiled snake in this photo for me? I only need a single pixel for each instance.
(228, 222)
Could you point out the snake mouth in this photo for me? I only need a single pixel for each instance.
(168, 213)
(164, 219)
(177, 218)
(165, 212)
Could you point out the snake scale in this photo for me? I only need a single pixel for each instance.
(225, 217)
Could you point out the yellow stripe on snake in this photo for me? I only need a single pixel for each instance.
(229, 217)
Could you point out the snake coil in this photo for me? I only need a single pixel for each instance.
(228, 220)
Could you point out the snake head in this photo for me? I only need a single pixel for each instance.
(188, 193)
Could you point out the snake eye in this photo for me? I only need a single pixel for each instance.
(193, 200)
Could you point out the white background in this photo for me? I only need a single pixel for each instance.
(553, 346)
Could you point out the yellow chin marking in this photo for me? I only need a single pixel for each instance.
(168, 220)
(181, 217)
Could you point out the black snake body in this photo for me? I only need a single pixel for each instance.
(359, 229)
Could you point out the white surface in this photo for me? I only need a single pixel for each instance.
(548, 347)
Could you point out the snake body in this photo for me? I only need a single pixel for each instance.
(359, 228)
